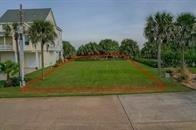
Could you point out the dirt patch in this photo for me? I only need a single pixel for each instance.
(157, 82)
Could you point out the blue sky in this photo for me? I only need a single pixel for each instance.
(92, 20)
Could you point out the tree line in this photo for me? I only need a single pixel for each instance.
(127, 47)
(175, 36)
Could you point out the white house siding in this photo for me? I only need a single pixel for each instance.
(30, 60)
(50, 18)
(50, 58)
(58, 40)
(4, 56)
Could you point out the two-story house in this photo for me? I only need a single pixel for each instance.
(32, 53)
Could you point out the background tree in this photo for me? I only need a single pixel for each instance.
(170, 55)
(108, 46)
(182, 33)
(68, 49)
(193, 33)
(149, 50)
(157, 31)
(90, 48)
(42, 32)
(129, 47)
(81, 51)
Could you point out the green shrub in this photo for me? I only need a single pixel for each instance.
(170, 58)
(129, 47)
(190, 57)
(13, 82)
(96, 59)
(2, 83)
(149, 62)
(68, 50)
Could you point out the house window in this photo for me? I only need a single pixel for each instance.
(26, 40)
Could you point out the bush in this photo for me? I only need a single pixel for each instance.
(108, 46)
(12, 82)
(170, 58)
(97, 58)
(88, 49)
(2, 83)
(129, 48)
(181, 75)
(149, 62)
(68, 49)
(58, 62)
(190, 57)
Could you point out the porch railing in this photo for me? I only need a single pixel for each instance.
(6, 47)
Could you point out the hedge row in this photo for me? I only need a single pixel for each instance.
(149, 62)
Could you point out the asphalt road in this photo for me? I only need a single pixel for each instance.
(166, 111)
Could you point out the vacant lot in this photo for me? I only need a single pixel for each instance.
(115, 76)
(95, 77)
(95, 74)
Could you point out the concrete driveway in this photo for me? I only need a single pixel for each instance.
(168, 111)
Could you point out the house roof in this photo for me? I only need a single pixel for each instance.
(30, 15)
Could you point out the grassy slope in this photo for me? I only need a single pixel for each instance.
(193, 70)
(95, 74)
(171, 85)
(87, 73)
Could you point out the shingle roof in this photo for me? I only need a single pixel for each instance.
(30, 15)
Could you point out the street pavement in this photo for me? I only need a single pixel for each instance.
(164, 111)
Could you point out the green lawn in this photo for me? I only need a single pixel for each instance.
(193, 70)
(93, 74)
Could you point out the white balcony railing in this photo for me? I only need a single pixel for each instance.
(6, 47)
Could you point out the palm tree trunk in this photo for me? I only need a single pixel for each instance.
(18, 55)
(159, 58)
(183, 61)
(17, 51)
(42, 55)
(8, 76)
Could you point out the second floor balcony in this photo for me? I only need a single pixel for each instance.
(9, 44)
(6, 47)
(6, 43)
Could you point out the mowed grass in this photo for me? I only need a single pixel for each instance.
(93, 74)
(193, 70)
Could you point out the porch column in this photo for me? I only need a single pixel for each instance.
(15, 57)
(37, 59)
(15, 53)
(14, 43)
(4, 40)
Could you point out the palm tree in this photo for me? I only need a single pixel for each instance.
(9, 68)
(157, 31)
(16, 36)
(42, 32)
(8, 30)
(183, 33)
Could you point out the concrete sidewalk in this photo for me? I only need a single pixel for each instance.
(175, 111)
